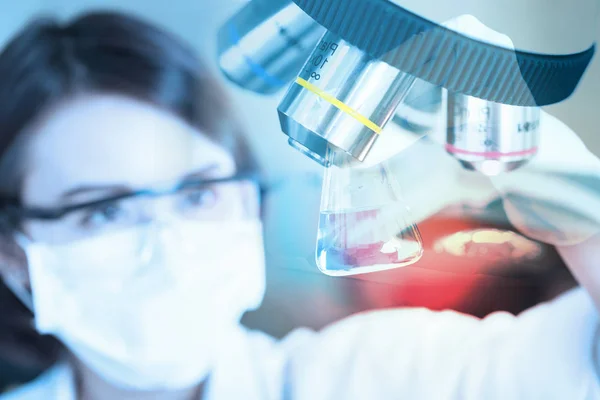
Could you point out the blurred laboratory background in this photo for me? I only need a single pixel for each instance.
(473, 262)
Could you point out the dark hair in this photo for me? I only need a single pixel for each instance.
(100, 52)
(111, 52)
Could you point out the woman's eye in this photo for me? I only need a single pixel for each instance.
(204, 198)
(104, 214)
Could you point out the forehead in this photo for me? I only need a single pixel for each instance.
(112, 140)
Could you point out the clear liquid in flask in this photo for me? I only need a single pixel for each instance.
(364, 226)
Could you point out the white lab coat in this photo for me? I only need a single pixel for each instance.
(546, 353)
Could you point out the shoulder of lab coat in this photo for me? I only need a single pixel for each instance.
(254, 365)
(545, 353)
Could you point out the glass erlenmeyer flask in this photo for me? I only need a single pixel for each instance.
(364, 224)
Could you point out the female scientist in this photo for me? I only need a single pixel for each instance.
(127, 205)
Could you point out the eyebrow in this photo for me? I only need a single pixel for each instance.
(113, 190)
(204, 172)
(88, 189)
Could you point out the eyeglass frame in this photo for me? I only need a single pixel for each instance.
(16, 211)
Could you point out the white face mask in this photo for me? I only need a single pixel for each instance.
(151, 307)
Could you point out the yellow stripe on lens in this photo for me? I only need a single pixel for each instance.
(342, 106)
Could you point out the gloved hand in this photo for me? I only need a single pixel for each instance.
(556, 197)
